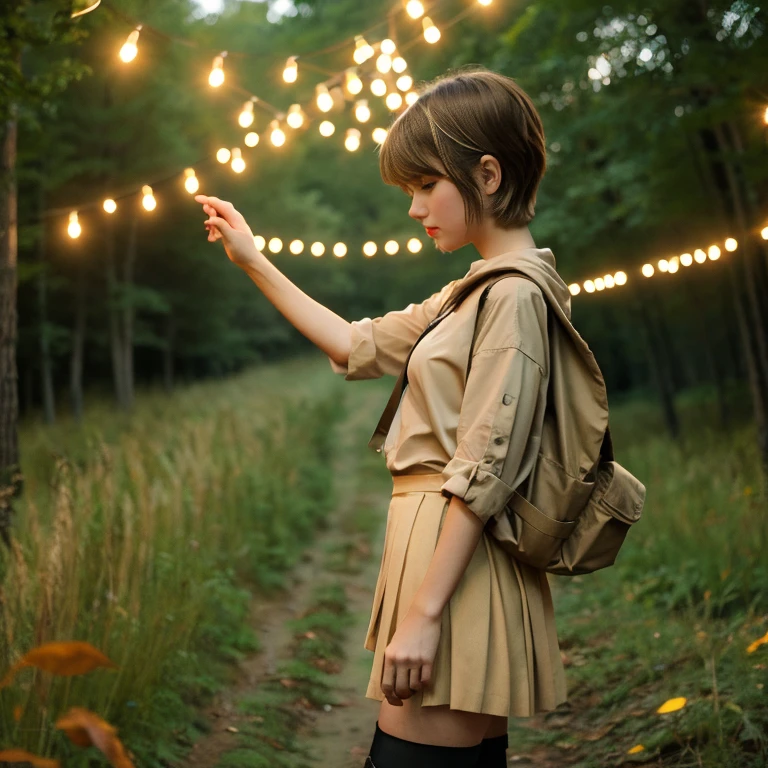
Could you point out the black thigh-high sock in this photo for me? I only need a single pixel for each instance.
(389, 751)
(493, 752)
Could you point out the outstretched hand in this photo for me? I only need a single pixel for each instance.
(227, 224)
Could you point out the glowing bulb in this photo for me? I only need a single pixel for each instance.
(324, 98)
(110, 206)
(378, 87)
(246, 116)
(394, 100)
(259, 242)
(714, 252)
(296, 247)
(575, 289)
(414, 9)
(317, 249)
(414, 245)
(391, 247)
(369, 249)
(686, 259)
(663, 265)
(363, 51)
(238, 164)
(485, 2)
(191, 184)
(431, 32)
(674, 265)
(764, 233)
(223, 155)
(74, 229)
(352, 82)
(379, 135)
(291, 71)
(148, 201)
(251, 139)
(339, 250)
(648, 270)
(277, 137)
(295, 116)
(620, 278)
(275, 245)
(327, 128)
(130, 49)
(589, 286)
(765, 120)
(700, 256)
(404, 83)
(388, 46)
(411, 97)
(352, 140)
(609, 283)
(362, 112)
(216, 78)
(731, 244)
(399, 65)
(384, 63)
(599, 283)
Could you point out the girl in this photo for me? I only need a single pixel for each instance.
(463, 634)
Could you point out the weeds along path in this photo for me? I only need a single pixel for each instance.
(341, 555)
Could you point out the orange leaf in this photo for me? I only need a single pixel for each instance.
(73, 658)
(84, 728)
(637, 748)
(21, 756)
(752, 647)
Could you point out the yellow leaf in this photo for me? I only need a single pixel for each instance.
(672, 705)
(21, 756)
(637, 748)
(752, 647)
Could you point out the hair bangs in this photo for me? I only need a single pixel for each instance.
(409, 150)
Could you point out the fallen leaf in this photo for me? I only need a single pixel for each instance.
(232, 729)
(70, 658)
(85, 728)
(22, 756)
(752, 647)
(672, 705)
(637, 748)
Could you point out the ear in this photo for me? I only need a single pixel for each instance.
(490, 173)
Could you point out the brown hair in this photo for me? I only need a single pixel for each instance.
(459, 118)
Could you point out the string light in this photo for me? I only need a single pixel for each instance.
(663, 265)
(764, 233)
(352, 82)
(246, 116)
(238, 164)
(251, 139)
(276, 136)
(74, 229)
(674, 265)
(399, 65)
(216, 78)
(589, 286)
(223, 155)
(110, 206)
(411, 97)
(384, 63)
(700, 256)
(327, 128)
(191, 184)
(339, 250)
(404, 83)
(291, 71)
(363, 51)
(714, 252)
(394, 100)
(648, 270)
(130, 48)
(431, 32)
(362, 112)
(379, 135)
(324, 98)
(414, 245)
(352, 140)
(391, 247)
(275, 245)
(317, 249)
(414, 9)
(686, 259)
(295, 116)
(369, 249)
(731, 244)
(387, 46)
(260, 242)
(378, 87)
(485, 2)
(296, 247)
(575, 289)
(148, 199)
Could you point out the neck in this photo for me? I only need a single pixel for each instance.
(495, 241)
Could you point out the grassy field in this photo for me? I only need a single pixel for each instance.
(148, 537)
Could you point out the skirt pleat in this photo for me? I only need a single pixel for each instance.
(498, 652)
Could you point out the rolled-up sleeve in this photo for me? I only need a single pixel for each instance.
(498, 432)
(381, 345)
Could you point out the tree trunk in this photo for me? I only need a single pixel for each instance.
(115, 329)
(11, 478)
(170, 334)
(128, 310)
(46, 368)
(78, 345)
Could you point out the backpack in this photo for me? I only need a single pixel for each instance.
(558, 522)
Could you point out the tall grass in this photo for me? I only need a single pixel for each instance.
(134, 534)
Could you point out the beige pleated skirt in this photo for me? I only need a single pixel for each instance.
(498, 651)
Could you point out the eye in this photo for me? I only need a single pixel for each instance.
(429, 185)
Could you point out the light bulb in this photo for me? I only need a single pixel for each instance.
(291, 71)
(609, 282)
(259, 242)
(275, 245)
(238, 164)
(74, 229)
(327, 128)
(764, 233)
(379, 135)
(378, 87)
(575, 289)
(485, 2)
(387, 46)
(404, 83)
(110, 206)
(324, 98)
(130, 49)
(589, 286)
(295, 116)
(714, 252)
(216, 78)
(431, 32)
(399, 65)
(296, 247)
(246, 116)
(648, 270)
(352, 140)
(394, 100)
(317, 249)
(700, 256)
(599, 283)
(731, 244)
(251, 139)
(148, 200)
(369, 249)
(391, 247)
(686, 259)
(411, 97)
(414, 245)
(223, 155)
(276, 136)
(191, 184)
(339, 250)
(674, 265)
(352, 82)
(663, 265)
(620, 278)
(362, 112)
(414, 9)
(363, 51)
(384, 63)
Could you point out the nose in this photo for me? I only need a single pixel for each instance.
(417, 210)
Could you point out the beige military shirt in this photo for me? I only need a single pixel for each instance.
(493, 423)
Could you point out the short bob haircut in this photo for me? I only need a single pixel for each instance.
(457, 119)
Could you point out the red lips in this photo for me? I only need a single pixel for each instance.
(431, 230)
